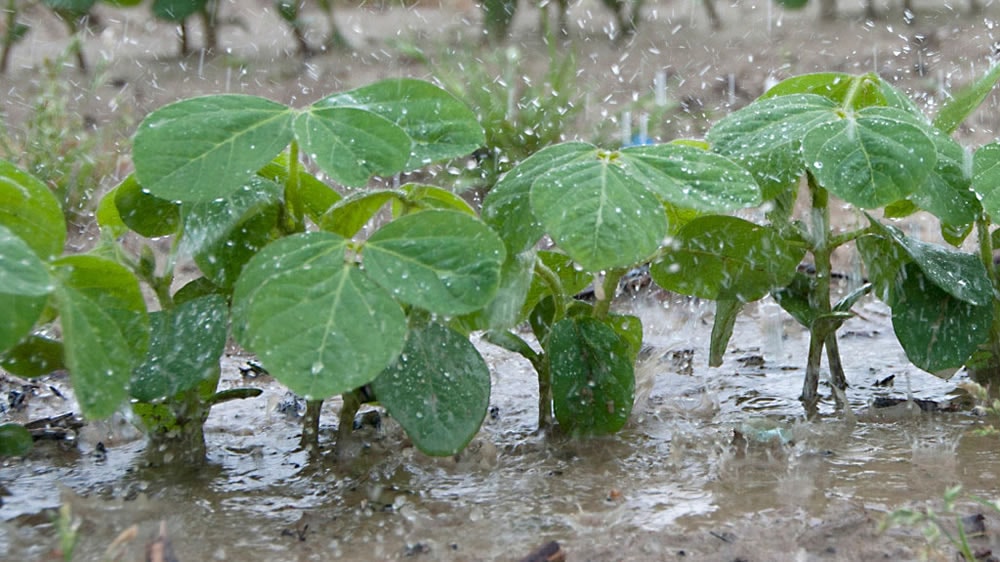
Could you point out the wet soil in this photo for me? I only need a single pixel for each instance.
(697, 475)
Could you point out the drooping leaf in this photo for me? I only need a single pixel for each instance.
(721, 257)
(871, 158)
(144, 212)
(691, 178)
(446, 262)
(947, 193)
(956, 109)
(438, 389)
(440, 126)
(33, 356)
(25, 286)
(184, 349)
(15, 440)
(224, 234)
(883, 259)
(629, 329)
(351, 144)
(957, 273)
(726, 312)
(507, 207)
(938, 331)
(766, 137)
(316, 322)
(31, 212)
(986, 178)
(203, 148)
(353, 212)
(593, 378)
(506, 309)
(597, 214)
(115, 290)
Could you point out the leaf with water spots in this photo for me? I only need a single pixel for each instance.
(438, 389)
(31, 212)
(25, 287)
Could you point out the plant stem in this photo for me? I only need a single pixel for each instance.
(839, 240)
(819, 296)
(512, 342)
(609, 288)
(555, 286)
(310, 426)
(294, 208)
(345, 425)
(986, 255)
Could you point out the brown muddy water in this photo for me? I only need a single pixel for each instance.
(675, 484)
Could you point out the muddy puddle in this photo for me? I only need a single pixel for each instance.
(679, 482)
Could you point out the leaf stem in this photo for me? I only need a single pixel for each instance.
(294, 211)
(555, 286)
(839, 240)
(609, 288)
(986, 255)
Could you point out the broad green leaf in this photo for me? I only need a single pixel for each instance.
(959, 274)
(794, 299)
(938, 331)
(33, 356)
(352, 145)
(597, 214)
(353, 212)
(691, 178)
(894, 97)
(726, 312)
(203, 148)
(956, 109)
(177, 10)
(184, 349)
(629, 329)
(440, 126)
(316, 322)
(317, 197)
(97, 353)
(986, 178)
(766, 137)
(834, 86)
(31, 212)
(197, 288)
(15, 440)
(900, 209)
(871, 158)
(438, 389)
(720, 257)
(593, 379)
(108, 218)
(446, 262)
(507, 207)
(224, 234)
(431, 197)
(883, 260)
(947, 193)
(145, 213)
(25, 286)
(113, 289)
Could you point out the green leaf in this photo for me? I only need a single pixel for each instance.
(691, 178)
(506, 310)
(25, 286)
(15, 440)
(938, 331)
(443, 261)
(883, 260)
(956, 234)
(177, 10)
(316, 195)
(766, 137)
(184, 349)
(794, 299)
(593, 379)
(145, 213)
(352, 213)
(316, 322)
(112, 288)
(203, 148)
(720, 257)
(438, 389)
(431, 197)
(834, 86)
(352, 144)
(871, 158)
(947, 193)
(31, 212)
(597, 214)
(507, 207)
(108, 218)
(224, 234)
(726, 311)
(33, 356)
(72, 7)
(955, 110)
(986, 178)
(440, 126)
(197, 288)
(573, 278)
(959, 274)
(629, 329)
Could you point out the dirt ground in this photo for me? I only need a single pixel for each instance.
(710, 72)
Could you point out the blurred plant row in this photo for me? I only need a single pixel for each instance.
(341, 286)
